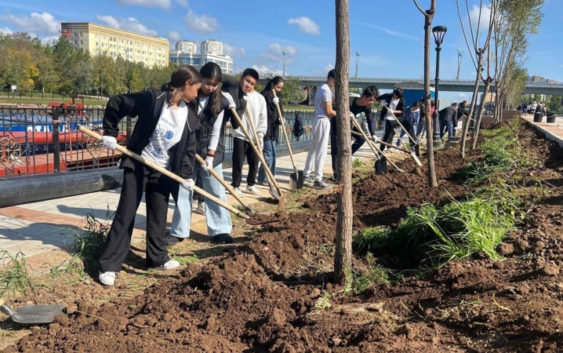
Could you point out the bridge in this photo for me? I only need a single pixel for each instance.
(445, 85)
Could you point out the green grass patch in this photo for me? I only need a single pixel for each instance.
(14, 277)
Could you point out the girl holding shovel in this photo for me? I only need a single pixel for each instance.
(165, 135)
(272, 132)
(210, 106)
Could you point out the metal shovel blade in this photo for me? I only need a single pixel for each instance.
(33, 314)
(296, 180)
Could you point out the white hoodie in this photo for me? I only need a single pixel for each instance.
(256, 103)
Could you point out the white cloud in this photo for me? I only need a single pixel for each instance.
(38, 22)
(305, 24)
(183, 3)
(173, 37)
(163, 4)
(266, 70)
(328, 67)
(6, 30)
(128, 24)
(485, 18)
(233, 51)
(275, 51)
(201, 24)
(388, 31)
(50, 40)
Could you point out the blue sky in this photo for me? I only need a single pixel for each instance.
(386, 34)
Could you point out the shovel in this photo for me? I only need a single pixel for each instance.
(33, 314)
(166, 172)
(413, 154)
(296, 179)
(225, 184)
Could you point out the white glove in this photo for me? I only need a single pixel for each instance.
(374, 138)
(229, 99)
(352, 116)
(109, 142)
(383, 103)
(209, 162)
(189, 184)
(276, 101)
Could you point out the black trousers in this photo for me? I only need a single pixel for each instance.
(242, 149)
(157, 189)
(358, 142)
(390, 126)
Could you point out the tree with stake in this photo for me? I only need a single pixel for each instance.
(428, 16)
(343, 248)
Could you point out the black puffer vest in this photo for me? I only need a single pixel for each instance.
(207, 120)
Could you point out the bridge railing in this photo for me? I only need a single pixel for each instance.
(44, 141)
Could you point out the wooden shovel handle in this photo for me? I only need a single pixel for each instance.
(166, 172)
(285, 133)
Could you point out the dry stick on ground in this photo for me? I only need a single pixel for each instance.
(262, 160)
(225, 184)
(166, 172)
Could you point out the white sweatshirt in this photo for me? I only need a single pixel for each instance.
(256, 103)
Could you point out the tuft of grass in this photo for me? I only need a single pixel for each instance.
(323, 303)
(357, 163)
(14, 277)
(88, 245)
(359, 283)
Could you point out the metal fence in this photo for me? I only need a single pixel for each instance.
(39, 141)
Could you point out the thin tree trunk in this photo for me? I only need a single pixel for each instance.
(343, 246)
(467, 120)
(480, 114)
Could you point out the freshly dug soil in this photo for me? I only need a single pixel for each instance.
(273, 293)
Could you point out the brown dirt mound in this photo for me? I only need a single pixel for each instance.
(267, 296)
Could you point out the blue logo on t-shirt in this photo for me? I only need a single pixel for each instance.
(169, 134)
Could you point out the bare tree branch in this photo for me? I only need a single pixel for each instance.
(419, 8)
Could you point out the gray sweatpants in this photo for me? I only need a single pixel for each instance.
(319, 147)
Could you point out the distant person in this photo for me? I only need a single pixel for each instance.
(393, 105)
(165, 133)
(411, 114)
(446, 117)
(271, 137)
(321, 133)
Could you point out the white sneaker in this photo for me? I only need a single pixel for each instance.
(237, 190)
(252, 190)
(107, 278)
(169, 265)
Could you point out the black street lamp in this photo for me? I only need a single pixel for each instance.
(439, 32)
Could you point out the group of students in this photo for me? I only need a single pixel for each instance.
(187, 116)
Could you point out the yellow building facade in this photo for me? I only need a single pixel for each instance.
(130, 46)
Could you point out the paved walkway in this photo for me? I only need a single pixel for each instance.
(41, 231)
(552, 131)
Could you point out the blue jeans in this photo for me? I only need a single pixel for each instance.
(270, 157)
(218, 219)
(446, 125)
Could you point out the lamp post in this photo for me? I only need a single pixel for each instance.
(438, 32)
(283, 53)
(459, 57)
(357, 62)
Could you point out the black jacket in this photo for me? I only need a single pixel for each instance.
(207, 120)
(356, 109)
(273, 117)
(147, 106)
(448, 114)
(387, 97)
(232, 86)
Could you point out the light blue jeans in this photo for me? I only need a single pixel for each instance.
(270, 157)
(218, 219)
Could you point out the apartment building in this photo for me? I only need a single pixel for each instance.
(210, 51)
(131, 46)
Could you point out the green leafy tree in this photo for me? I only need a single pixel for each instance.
(292, 93)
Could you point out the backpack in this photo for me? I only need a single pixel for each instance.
(298, 128)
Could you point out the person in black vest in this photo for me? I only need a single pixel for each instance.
(271, 137)
(360, 108)
(164, 134)
(210, 107)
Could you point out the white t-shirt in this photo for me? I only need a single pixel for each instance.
(323, 95)
(391, 108)
(167, 133)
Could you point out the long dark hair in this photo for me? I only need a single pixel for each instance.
(212, 71)
(271, 84)
(179, 78)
